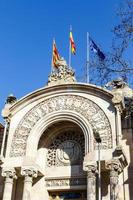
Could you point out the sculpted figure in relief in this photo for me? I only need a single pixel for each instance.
(62, 73)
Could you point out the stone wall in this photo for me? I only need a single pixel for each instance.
(1, 178)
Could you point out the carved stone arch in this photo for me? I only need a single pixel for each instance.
(61, 126)
(79, 105)
(46, 122)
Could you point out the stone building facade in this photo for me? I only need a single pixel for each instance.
(68, 141)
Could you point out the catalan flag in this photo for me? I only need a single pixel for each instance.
(55, 56)
(73, 48)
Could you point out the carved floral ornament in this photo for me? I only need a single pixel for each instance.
(87, 108)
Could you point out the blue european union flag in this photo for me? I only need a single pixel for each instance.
(96, 50)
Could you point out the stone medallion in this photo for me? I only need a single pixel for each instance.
(68, 152)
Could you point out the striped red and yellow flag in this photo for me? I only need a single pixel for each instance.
(55, 56)
(73, 48)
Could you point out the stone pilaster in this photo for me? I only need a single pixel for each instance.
(9, 176)
(119, 105)
(91, 181)
(118, 124)
(29, 174)
(115, 168)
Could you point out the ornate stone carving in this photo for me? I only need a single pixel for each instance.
(29, 173)
(117, 83)
(115, 168)
(118, 98)
(62, 62)
(11, 99)
(114, 165)
(10, 174)
(91, 169)
(120, 156)
(90, 110)
(66, 149)
(65, 182)
(63, 74)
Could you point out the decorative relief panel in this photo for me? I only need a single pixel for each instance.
(66, 149)
(90, 110)
(65, 182)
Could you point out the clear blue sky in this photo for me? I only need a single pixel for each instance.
(27, 28)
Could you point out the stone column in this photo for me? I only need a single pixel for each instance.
(115, 169)
(9, 176)
(29, 174)
(91, 181)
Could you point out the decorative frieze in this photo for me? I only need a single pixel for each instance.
(90, 110)
(65, 182)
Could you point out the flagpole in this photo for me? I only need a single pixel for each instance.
(69, 54)
(52, 56)
(70, 48)
(88, 59)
